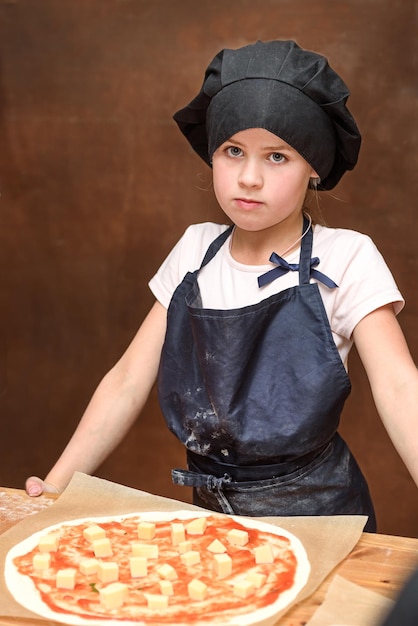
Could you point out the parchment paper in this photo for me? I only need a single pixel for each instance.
(348, 604)
(327, 540)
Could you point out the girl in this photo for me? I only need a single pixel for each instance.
(253, 322)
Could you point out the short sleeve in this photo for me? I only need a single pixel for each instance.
(365, 283)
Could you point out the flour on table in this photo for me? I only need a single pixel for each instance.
(15, 507)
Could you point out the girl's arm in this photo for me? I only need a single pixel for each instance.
(115, 405)
(393, 379)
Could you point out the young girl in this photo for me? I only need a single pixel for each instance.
(253, 322)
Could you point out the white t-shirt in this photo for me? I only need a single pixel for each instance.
(350, 259)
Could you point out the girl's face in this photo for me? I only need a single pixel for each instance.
(259, 180)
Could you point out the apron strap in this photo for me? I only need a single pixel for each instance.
(217, 477)
(187, 478)
(305, 254)
(206, 472)
(215, 246)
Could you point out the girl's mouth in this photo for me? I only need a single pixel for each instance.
(247, 203)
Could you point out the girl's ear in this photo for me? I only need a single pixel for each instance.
(314, 181)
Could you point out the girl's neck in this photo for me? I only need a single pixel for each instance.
(255, 247)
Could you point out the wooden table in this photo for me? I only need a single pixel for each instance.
(380, 563)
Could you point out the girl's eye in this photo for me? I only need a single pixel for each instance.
(276, 157)
(234, 151)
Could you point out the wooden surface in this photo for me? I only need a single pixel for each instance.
(97, 184)
(380, 563)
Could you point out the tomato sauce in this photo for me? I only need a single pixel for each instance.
(84, 600)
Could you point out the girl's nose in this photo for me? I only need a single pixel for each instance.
(250, 174)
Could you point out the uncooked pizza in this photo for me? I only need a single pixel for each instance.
(183, 568)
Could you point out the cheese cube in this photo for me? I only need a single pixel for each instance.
(197, 589)
(113, 596)
(166, 571)
(48, 543)
(94, 532)
(146, 531)
(217, 547)
(243, 588)
(156, 601)
(257, 579)
(238, 537)
(178, 533)
(88, 567)
(263, 554)
(41, 561)
(166, 587)
(107, 572)
(197, 526)
(190, 558)
(138, 566)
(148, 550)
(185, 546)
(102, 548)
(222, 565)
(65, 578)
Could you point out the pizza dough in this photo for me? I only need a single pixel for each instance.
(177, 568)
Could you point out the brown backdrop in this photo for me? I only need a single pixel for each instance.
(97, 185)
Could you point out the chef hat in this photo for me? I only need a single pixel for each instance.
(284, 89)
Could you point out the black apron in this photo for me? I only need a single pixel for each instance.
(255, 394)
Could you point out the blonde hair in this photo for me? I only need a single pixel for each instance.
(312, 204)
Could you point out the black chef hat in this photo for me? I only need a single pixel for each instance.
(278, 86)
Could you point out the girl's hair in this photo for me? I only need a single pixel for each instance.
(312, 206)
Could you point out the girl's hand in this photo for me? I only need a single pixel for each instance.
(36, 487)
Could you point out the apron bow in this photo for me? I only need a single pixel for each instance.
(283, 267)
